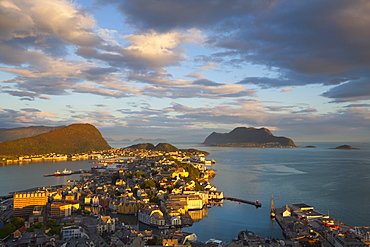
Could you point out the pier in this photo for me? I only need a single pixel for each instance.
(53, 174)
(256, 203)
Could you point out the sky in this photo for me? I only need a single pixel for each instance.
(180, 70)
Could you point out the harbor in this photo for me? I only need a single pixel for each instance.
(65, 172)
(301, 223)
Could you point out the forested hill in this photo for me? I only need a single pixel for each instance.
(75, 138)
(23, 132)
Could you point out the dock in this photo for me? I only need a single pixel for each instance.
(50, 175)
(256, 203)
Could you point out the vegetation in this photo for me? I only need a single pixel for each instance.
(76, 138)
(23, 132)
(166, 147)
(146, 146)
(194, 172)
(11, 227)
(148, 183)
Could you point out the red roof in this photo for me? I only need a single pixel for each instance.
(22, 229)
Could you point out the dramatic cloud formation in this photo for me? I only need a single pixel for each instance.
(154, 67)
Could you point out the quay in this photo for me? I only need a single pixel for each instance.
(256, 203)
(53, 174)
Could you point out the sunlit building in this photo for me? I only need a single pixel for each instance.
(25, 202)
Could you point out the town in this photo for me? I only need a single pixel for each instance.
(166, 191)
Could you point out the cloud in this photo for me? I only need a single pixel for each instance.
(308, 110)
(358, 105)
(307, 42)
(350, 91)
(286, 90)
(40, 19)
(10, 118)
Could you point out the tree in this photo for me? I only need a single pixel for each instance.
(17, 222)
(7, 230)
(147, 184)
(38, 225)
(51, 223)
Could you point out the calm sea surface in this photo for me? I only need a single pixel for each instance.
(335, 182)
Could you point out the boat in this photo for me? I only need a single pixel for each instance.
(272, 208)
(65, 172)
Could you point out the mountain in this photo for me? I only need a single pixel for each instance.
(75, 138)
(23, 132)
(248, 137)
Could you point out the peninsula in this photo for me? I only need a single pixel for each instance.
(248, 137)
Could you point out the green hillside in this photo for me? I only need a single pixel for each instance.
(76, 138)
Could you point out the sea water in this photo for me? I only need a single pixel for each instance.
(333, 181)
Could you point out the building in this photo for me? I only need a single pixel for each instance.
(60, 209)
(338, 239)
(105, 224)
(151, 216)
(24, 202)
(38, 215)
(128, 207)
(70, 232)
(363, 232)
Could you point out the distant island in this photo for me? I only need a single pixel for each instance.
(310, 146)
(149, 140)
(248, 137)
(75, 138)
(345, 147)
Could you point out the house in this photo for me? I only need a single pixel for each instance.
(19, 232)
(105, 224)
(286, 212)
(151, 216)
(175, 221)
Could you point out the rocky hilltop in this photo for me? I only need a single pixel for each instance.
(165, 147)
(75, 138)
(23, 132)
(248, 137)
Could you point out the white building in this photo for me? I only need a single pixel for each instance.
(69, 232)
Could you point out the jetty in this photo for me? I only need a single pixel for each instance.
(53, 174)
(257, 204)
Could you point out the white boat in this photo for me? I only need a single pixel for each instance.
(65, 172)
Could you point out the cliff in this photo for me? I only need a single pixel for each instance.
(23, 132)
(75, 138)
(248, 137)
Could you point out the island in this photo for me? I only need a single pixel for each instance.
(345, 147)
(248, 137)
